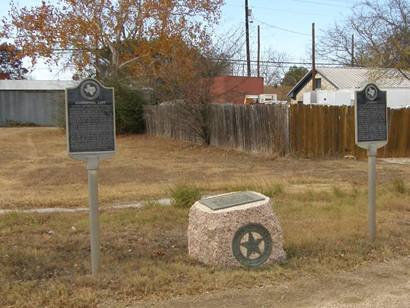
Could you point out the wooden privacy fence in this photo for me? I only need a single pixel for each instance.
(303, 130)
(322, 131)
(257, 128)
(317, 131)
(169, 121)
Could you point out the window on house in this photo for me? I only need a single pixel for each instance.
(318, 83)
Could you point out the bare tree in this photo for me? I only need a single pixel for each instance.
(382, 36)
(272, 68)
(190, 90)
(336, 46)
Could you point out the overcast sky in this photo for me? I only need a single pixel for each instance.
(285, 25)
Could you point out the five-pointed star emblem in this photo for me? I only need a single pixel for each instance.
(252, 245)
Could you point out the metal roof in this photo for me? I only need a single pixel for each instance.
(348, 78)
(31, 85)
(300, 84)
(356, 78)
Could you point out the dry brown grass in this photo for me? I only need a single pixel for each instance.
(35, 170)
(44, 259)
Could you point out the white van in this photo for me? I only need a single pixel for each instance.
(268, 98)
(260, 99)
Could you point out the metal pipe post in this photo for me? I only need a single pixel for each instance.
(371, 214)
(92, 167)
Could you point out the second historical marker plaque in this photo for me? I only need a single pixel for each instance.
(90, 118)
(371, 116)
(371, 133)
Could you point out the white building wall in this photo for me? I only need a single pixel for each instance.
(396, 98)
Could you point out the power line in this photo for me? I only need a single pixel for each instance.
(321, 3)
(252, 61)
(282, 29)
(287, 11)
(352, 2)
(277, 10)
(279, 62)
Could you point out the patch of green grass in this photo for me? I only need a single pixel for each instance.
(339, 193)
(272, 190)
(399, 186)
(314, 196)
(184, 196)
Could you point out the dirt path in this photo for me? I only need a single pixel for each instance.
(374, 285)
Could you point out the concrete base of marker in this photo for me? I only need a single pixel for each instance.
(210, 233)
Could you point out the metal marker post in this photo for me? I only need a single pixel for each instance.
(371, 130)
(371, 214)
(90, 123)
(92, 167)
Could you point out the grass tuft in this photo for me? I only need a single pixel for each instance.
(339, 193)
(184, 196)
(399, 186)
(273, 190)
(267, 188)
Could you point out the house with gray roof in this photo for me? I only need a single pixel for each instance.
(336, 86)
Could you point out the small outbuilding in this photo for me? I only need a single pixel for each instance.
(234, 89)
(39, 102)
(337, 86)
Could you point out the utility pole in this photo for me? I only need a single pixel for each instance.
(97, 59)
(259, 50)
(352, 50)
(313, 58)
(248, 56)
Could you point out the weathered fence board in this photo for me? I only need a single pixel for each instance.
(304, 130)
(256, 128)
(329, 131)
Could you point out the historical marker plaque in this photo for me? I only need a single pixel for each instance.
(231, 200)
(371, 133)
(371, 117)
(90, 122)
(90, 118)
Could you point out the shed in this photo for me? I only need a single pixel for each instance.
(39, 102)
(232, 89)
(336, 86)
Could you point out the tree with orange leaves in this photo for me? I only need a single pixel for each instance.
(11, 65)
(108, 36)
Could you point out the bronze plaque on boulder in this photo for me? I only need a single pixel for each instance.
(231, 200)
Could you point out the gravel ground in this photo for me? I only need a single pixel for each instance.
(373, 285)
